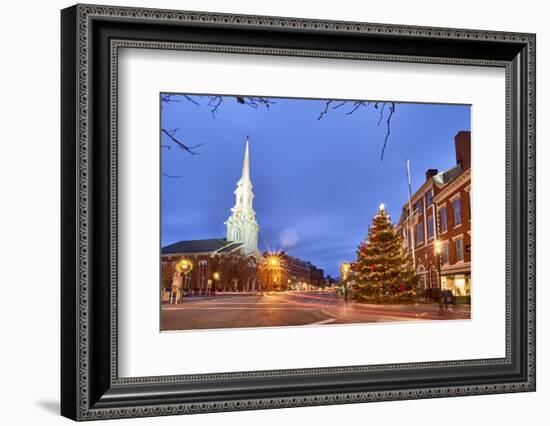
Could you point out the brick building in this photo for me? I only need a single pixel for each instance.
(453, 203)
(441, 212)
(288, 273)
(217, 265)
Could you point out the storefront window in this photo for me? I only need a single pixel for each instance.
(458, 284)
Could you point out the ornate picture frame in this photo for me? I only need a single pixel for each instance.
(91, 386)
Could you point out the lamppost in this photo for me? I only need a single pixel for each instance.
(184, 266)
(273, 263)
(345, 268)
(216, 277)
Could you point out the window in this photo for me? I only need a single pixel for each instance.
(443, 215)
(459, 245)
(420, 233)
(429, 199)
(202, 274)
(445, 259)
(457, 212)
(430, 227)
(420, 206)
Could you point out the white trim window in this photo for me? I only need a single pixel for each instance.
(429, 198)
(419, 233)
(443, 218)
(420, 206)
(430, 227)
(459, 247)
(445, 257)
(457, 211)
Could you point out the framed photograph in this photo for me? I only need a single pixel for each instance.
(263, 212)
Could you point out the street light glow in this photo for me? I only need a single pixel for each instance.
(437, 246)
(184, 266)
(273, 261)
(344, 269)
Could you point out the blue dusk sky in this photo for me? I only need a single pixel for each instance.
(317, 183)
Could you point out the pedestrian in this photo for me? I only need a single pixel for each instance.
(448, 298)
(441, 302)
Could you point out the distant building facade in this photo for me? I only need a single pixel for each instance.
(291, 273)
(440, 211)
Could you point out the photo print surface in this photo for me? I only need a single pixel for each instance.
(280, 212)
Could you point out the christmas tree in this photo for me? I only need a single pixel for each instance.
(381, 273)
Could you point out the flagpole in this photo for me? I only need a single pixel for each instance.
(410, 215)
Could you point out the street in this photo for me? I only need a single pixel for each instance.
(291, 309)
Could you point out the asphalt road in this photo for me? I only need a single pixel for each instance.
(292, 309)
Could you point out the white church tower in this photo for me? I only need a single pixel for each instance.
(241, 225)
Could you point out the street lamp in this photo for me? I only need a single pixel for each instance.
(184, 266)
(345, 268)
(216, 277)
(273, 263)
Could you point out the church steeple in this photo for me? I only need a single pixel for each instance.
(241, 225)
(245, 176)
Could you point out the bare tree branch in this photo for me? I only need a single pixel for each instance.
(189, 149)
(255, 102)
(171, 176)
(381, 112)
(357, 105)
(214, 103)
(169, 98)
(392, 110)
(190, 99)
(324, 112)
(381, 106)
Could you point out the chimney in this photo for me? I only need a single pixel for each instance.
(430, 173)
(462, 148)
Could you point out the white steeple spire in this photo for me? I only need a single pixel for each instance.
(245, 176)
(242, 225)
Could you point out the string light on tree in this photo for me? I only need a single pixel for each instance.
(381, 270)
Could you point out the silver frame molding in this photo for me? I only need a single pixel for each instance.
(91, 39)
